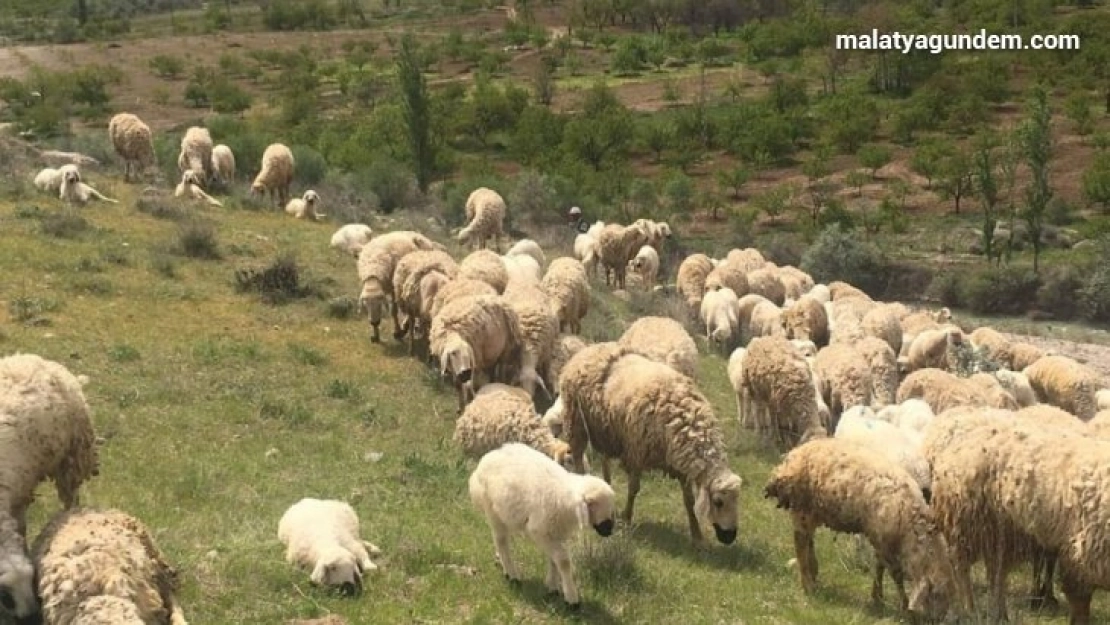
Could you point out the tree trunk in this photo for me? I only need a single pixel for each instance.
(82, 12)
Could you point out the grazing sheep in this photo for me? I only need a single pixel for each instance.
(882, 322)
(898, 445)
(487, 266)
(1064, 383)
(820, 292)
(520, 490)
(565, 348)
(795, 281)
(806, 319)
(539, 327)
(616, 246)
(190, 188)
(664, 340)
(417, 278)
(101, 567)
(692, 274)
(748, 259)
(45, 432)
(305, 207)
(322, 536)
(845, 379)
(377, 261)
(728, 276)
(943, 390)
(522, 269)
(471, 336)
(843, 290)
(882, 363)
(932, 349)
(133, 142)
(650, 417)
(646, 265)
(911, 415)
(196, 153)
(765, 320)
(720, 314)
(568, 287)
(276, 174)
(351, 237)
(766, 282)
(1024, 354)
(528, 247)
(223, 164)
(852, 489)
(778, 393)
(1017, 385)
(993, 345)
(485, 211)
(459, 288)
(73, 191)
(501, 414)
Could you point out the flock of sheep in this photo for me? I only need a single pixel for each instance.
(882, 435)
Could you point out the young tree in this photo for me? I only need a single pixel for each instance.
(986, 187)
(544, 81)
(927, 160)
(955, 177)
(816, 167)
(657, 135)
(856, 178)
(874, 157)
(1096, 181)
(734, 179)
(1078, 109)
(1036, 143)
(773, 201)
(416, 108)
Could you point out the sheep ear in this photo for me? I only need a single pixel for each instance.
(583, 513)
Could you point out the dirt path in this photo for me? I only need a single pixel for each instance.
(1094, 356)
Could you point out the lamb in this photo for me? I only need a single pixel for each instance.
(539, 327)
(692, 274)
(565, 348)
(765, 282)
(883, 369)
(850, 488)
(103, 566)
(778, 393)
(646, 265)
(522, 269)
(501, 414)
(728, 275)
(745, 307)
(1024, 354)
(520, 490)
(322, 536)
(845, 378)
(896, 444)
(528, 247)
(351, 237)
(664, 340)
(305, 207)
(568, 287)
(190, 187)
(651, 417)
(720, 314)
(376, 263)
(795, 281)
(417, 278)
(276, 174)
(586, 247)
(616, 246)
(47, 432)
(911, 415)
(943, 390)
(806, 319)
(133, 142)
(223, 164)
(487, 266)
(485, 210)
(993, 345)
(50, 179)
(73, 191)
(472, 336)
(1064, 383)
(765, 320)
(196, 153)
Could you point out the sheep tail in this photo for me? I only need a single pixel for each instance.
(100, 196)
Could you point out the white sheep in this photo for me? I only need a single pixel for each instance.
(305, 207)
(663, 340)
(568, 286)
(911, 415)
(351, 237)
(859, 425)
(539, 328)
(487, 266)
(133, 142)
(690, 280)
(377, 261)
(45, 432)
(1017, 384)
(485, 212)
(528, 247)
(520, 490)
(586, 247)
(101, 567)
(501, 414)
(74, 191)
(322, 536)
(1065, 383)
(223, 164)
(646, 265)
(189, 187)
(196, 153)
(523, 269)
(778, 393)
(276, 174)
(765, 320)
(49, 179)
(720, 314)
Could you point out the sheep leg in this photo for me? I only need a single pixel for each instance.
(553, 582)
(375, 333)
(996, 577)
(688, 500)
(877, 582)
(606, 470)
(899, 578)
(805, 553)
(1044, 566)
(1079, 598)
(561, 560)
(633, 490)
(502, 542)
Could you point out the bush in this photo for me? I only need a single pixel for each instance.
(166, 66)
(198, 240)
(160, 208)
(64, 225)
(1059, 290)
(999, 290)
(837, 254)
(391, 182)
(944, 288)
(310, 165)
(277, 283)
(1094, 296)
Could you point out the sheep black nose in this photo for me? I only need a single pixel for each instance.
(464, 376)
(605, 528)
(7, 601)
(349, 589)
(727, 537)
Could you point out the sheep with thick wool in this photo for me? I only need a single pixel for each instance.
(882, 322)
(521, 490)
(485, 211)
(650, 417)
(993, 345)
(765, 320)
(133, 142)
(501, 414)
(844, 375)
(350, 238)
(487, 266)
(912, 415)
(850, 488)
(305, 207)
(898, 445)
(1065, 383)
(417, 278)
(795, 281)
(528, 247)
(728, 276)
(471, 337)
(943, 391)
(664, 340)
(766, 282)
(377, 261)
(322, 536)
(46, 431)
(932, 349)
(806, 319)
(566, 346)
(778, 393)
(645, 264)
(539, 328)
(276, 175)
(1017, 385)
(616, 246)
(882, 363)
(567, 285)
(74, 191)
(720, 314)
(458, 288)
(842, 290)
(102, 567)
(1024, 354)
(747, 259)
(745, 306)
(223, 164)
(690, 281)
(196, 153)
(190, 188)
(522, 269)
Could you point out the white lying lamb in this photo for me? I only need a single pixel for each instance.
(189, 187)
(351, 237)
(49, 179)
(521, 490)
(323, 535)
(305, 207)
(73, 191)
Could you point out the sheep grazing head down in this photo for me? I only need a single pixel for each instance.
(338, 567)
(457, 359)
(597, 505)
(718, 504)
(258, 189)
(17, 586)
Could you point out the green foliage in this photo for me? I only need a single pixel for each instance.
(1036, 143)
(857, 178)
(848, 120)
(1096, 181)
(167, 66)
(1002, 290)
(64, 225)
(774, 201)
(733, 179)
(1078, 109)
(538, 131)
(198, 240)
(416, 112)
(298, 15)
(1094, 296)
(390, 182)
(680, 193)
(1059, 292)
(873, 157)
(839, 254)
(602, 133)
(311, 165)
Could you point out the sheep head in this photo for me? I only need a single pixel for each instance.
(934, 574)
(718, 504)
(257, 189)
(457, 359)
(17, 583)
(596, 504)
(338, 567)
(310, 197)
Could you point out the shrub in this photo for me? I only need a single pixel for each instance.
(198, 240)
(944, 288)
(1059, 289)
(838, 254)
(342, 308)
(1094, 296)
(391, 182)
(277, 283)
(999, 290)
(166, 66)
(64, 225)
(160, 208)
(31, 310)
(310, 164)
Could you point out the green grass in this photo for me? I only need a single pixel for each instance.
(219, 411)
